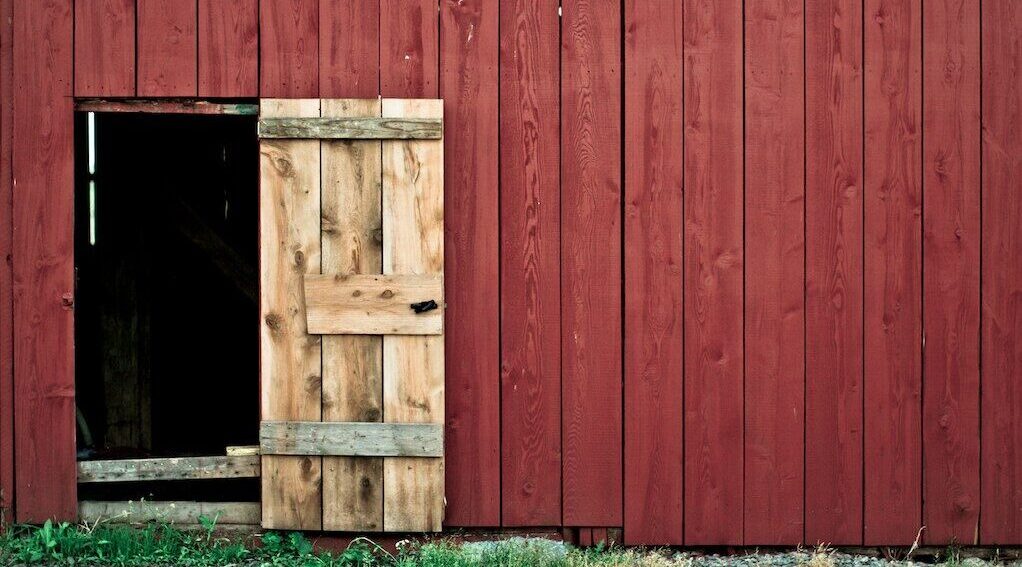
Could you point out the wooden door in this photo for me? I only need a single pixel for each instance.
(351, 307)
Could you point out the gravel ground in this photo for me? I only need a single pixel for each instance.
(547, 552)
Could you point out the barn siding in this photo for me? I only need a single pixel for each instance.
(623, 352)
(6, 263)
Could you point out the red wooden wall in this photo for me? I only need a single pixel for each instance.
(718, 272)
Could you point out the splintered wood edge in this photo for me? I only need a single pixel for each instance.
(351, 439)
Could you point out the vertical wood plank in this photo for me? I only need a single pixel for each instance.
(104, 48)
(228, 48)
(893, 265)
(6, 261)
(410, 47)
(834, 129)
(352, 364)
(167, 48)
(43, 254)
(468, 85)
(1001, 509)
(530, 264)
(413, 366)
(289, 48)
(349, 50)
(591, 315)
(951, 160)
(290, 369)
(653, 280)
(713, 273)
(774, 277)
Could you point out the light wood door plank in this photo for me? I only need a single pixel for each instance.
(352, 365)
(413, 366)
(290, 365)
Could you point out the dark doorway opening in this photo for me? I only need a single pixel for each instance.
(166, 337)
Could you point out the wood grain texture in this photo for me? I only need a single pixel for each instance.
(290, 365)
(228, 48)
(349, 63)
(834, 130)
(353, 439)
(104, 48)
(6, 260)
(413, 367)
(591, 317)
(893, 272)
(774, 276)
(468, 84)
(654, 310)
(373, 305)
(339, 128)
(410, 48)
(352, 235)
(165, 106)
(133, 470)
(1001, 508)
(713, 273)
(289, 48)
(951, 238)
(167, 48)
(530, 264)
(43, 245)
(178, 512)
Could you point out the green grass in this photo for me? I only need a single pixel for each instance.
(159, 543)
(165, 544)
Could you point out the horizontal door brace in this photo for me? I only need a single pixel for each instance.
(372, 128)
(351, 439)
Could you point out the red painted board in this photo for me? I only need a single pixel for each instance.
(349, 49)
(834, 130)
(530, 264)
(713, 272)
(468, 84)
(585, 537)
(6, 265)
(167, 51)
(409, 46)
(591, 318)
(289, 48)
(774, 275)
(893, 273)
(104, 48)
(228, 48)
(1001, 507)
(43, 251)
(951, 239)
(654, 317)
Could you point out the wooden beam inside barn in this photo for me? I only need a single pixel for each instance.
(173, 468)
(179, 512)
(165, 106)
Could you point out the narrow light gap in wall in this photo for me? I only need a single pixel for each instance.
(92, 212)
(92, 177)
(92, 142)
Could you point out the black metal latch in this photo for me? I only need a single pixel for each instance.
(424, 306)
